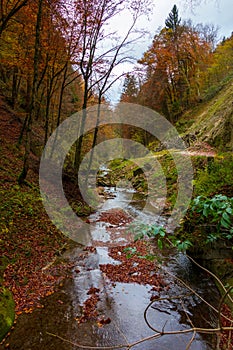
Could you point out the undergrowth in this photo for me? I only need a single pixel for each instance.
(216, 176)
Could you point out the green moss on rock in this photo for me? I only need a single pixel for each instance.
(7, 311)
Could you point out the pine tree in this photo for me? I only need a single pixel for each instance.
(130, 89)
(173, 20)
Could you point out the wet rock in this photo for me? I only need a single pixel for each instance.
(217, 257)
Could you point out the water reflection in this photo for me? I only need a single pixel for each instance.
(123, 303)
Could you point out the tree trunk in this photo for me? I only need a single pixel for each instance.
(60, 106)
(24, 171)
(94, 140)
(79, 141)
(14, 87)
(28, 98)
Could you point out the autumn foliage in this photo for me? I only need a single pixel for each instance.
(179, 68)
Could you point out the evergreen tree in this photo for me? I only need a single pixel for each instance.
(130, 89)
(173, 20)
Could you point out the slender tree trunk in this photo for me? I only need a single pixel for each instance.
(39, 104)
(24, 171)
(62, 94)
(94, 140)
(28, 99)
(14, 86)
(79, 142)
(60, 106)
(47, 110)
(47, 114)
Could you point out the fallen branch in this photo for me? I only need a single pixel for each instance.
(122, 346)
(160, 333)
(213, 275)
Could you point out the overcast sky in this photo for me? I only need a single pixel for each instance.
(218, 12)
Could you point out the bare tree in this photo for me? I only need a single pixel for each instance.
(96, 63)
(29, 118)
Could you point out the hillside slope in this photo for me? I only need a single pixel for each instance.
(212, 121)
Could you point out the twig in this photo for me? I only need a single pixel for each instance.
(49, 264)
(128, 346)
(190, 321)
(206, 270)
(155, 336)
(152, 302)
(212, 274)
(87, 346)
(229, 338)
(191, 341)
(120, 331)
(196, 329)
(159, 333)
(221, 303)
(198, 295)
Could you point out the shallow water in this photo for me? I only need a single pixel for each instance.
(123, 303)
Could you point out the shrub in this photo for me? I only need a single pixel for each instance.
(215, 176)
(217, 212)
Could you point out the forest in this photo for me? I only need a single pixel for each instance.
(60, 280)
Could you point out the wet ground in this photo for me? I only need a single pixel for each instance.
(118, 308)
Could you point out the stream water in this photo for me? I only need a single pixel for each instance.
(123, 303)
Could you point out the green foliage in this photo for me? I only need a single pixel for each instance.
(153, 145)
(217, 211)
(126, 169)
(119, 164)
(7, 314)
(181, 245)
(132, 251)
(159, 234)
(221, 68)
(152, 231)
(18, 203)
(215, 176)
(81, 209)
(22, 213)
(173, 20)
(214, 89)
(209, 221)
(171, 174)
(183, 124)
(130, 89)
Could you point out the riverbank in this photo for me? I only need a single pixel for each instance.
(31, 246)
(33, 266)
(113, 281)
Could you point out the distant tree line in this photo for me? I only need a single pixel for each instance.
(182, 64)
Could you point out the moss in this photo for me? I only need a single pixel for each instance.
(7, 305)
(215, 176)
(7, 312)
(184, 124)
(118, 164)
(127, 169)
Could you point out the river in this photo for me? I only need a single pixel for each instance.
(121, 305)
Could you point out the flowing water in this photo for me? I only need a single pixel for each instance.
(123, 303)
